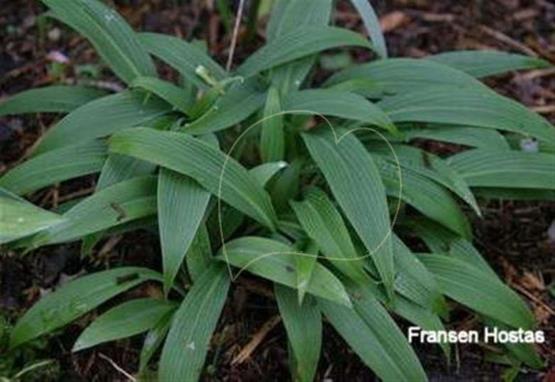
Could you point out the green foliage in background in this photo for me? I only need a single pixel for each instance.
(261, 170)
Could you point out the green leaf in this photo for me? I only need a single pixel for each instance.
(374, 336)
(182, 203)
(429, 166)
(510, 169)
(515, 194)
(469, 107)
(49, 99)
(111, 36)
(192, 327)
(275, 261)
(423, 318)
(9, 195)
(219, 174)
(524, 352)
(76, 298)
(303, 324)
(483, 63)
(154, 339)
(429, 198)
(414, 281)
(118, 168)
(287, 16)
(125, 320)
(323, 223)
(299, 43)
(199, 255)
(19, 218)
(112, 206)
(102, 117)
(304, 268)
(477, 289)
(238, 103)
(272, 139)
(55, 166)
(381, 78)
(174, 95)
(460, 135)
(357, 186)
(185, 57)
(266, 171)
(337, 104)
(372, 25)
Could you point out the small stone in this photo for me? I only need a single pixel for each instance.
(57, 56)
(529, 145)
(54, 34)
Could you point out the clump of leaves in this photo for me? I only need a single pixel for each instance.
(261, 171)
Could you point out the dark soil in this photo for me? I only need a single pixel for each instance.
(512, 236)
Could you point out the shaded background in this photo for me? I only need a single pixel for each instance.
(513, 236)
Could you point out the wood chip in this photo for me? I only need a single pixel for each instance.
(256, 340)
(508, 40)
(393, 21)
(547, 109)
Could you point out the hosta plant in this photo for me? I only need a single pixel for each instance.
(313, 187)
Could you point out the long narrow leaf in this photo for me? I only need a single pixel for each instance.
(192, 327)
(174, 95)
(182, 203)
(125, 320)
(183, 56)
(372, 24)
(112, 37)
(275, 261)
(429, 166)
(483, 63)
(102, 117)
(357, 186)
(426, 196)
(211, 168)
(323, 223)
(19, 218)
(469, 107)
(75, 299)
(287, 16)
(377, 340)
(266, 171)
(338, 104)
(55, 166)
(475, 288)
(299, 43)
(49, 99)
(238, 103)
(381, 78)
(467, 136)
(510, 169)
(113, 206)
(199, 254)
(118, 168)
(304, 330)
(272, 139)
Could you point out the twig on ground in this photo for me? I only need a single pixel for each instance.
(117, 367)
(235, 35)
(256, 340)
(547, 109)
(508, 40)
